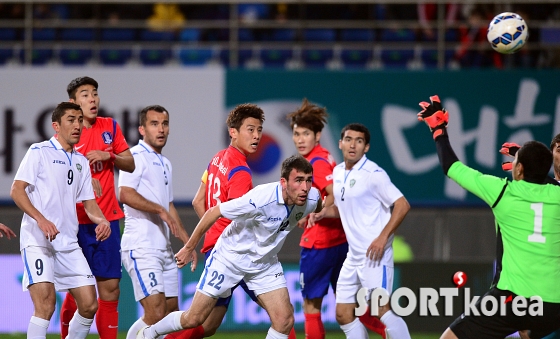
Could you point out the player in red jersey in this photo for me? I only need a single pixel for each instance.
(324, 245)
(227, 177)
(103, 144)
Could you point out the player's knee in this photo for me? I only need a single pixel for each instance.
(45, 310)
(343, 318)
(88, 310)
(285, 323)
(191, 320)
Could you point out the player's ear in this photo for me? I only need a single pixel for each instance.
(141, 130)
(232, 132)
(340, 144)
(318, 136)
(366, 149)
(283, 182)
(55, 126)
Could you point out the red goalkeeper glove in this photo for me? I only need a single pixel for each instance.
(507, 166)
(434, 116)
(509, 149)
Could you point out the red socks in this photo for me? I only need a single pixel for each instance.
(67, 311)
(107, 319)
(314, 326)
(373, 323)
(292, 334)
(191, 333)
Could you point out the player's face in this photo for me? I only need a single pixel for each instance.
(69, 129)
(304, 139)
(556, 158)
(247, 138)
(296, 187)
(353, 146)
(88, 99)
(156, 131)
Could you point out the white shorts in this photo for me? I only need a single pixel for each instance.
(220, 276)
(354, 276)
(151, 271)
(65, 269)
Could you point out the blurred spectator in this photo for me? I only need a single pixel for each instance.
(11, 11)
(166, 17)
(281, 14)
(428, 12)
(250, 13)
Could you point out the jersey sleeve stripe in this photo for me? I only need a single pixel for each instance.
(312, 161)
(237, 169)
(500, 196)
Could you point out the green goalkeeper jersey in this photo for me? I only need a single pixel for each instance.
(528, 216)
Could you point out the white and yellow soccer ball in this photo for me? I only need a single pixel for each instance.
(507, 32)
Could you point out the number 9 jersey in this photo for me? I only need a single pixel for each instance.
(229, 177)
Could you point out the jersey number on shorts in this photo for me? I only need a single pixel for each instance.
(537, 230)
(220, 277)
(214, 191)
(39, 266)
(70, 177)
(152, 276)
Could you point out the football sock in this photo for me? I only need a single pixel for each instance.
(355, 330)
(37, 328)
(191, 333)
(292, 334)
(79, 327)
(314, 328)
(133, 330)
(67, 311)
(273, 334)
(107, 319)
(170, 323)
(396, 327)
(373, 323)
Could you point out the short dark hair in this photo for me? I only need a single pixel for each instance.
(536, 159)
(358, 128)
(296, 162)
(309, 116)
(61, 109)
(76, 83)
(241, 112)
(142, 117)
(554, 141)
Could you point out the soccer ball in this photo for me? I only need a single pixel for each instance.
(507, 32)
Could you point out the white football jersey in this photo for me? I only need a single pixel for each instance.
(152, 180)
(260, 223)
(57, 180)
(364, 196)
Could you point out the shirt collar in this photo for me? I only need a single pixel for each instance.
(146, 146)
(358, 166)
(279, 197)
(57, 145)
(236, 151)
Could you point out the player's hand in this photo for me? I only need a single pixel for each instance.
(510, 149)
(184, 256)
(97, 189)
(302, 223)
(507, 166)
(102, 231)
(48, 228)
(7, 231)
(376, 249)
(313, 218)
(434, 116)
(171, 223)
(524, 334)
(96, 155)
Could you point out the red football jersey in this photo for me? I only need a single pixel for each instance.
(229, 177)
(104, 135)
(327, 232)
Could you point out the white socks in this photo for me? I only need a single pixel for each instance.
(37, 328)
(355, 330)
(395, 326)
(133, 330)
(79, 327)
(170, 323)
(273, 334)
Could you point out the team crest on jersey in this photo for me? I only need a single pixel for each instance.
(79, 167)
(299, 215)
(352, 182)
(107, 137)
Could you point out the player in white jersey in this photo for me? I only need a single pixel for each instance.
(247, 249)
(363, 196)
(5, 230)
(150, 215)
(51, 178)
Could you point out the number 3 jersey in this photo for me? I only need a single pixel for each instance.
(104, 135)
(229, 177)
(57, 180)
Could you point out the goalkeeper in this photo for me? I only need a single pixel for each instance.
(527, 213)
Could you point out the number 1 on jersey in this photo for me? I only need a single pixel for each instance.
(537, 230)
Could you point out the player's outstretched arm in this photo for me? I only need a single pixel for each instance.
(129, 196)
(125, 161)
(198, 200)
(324, 212)
(103, 229)
(22, 201)
(208, 219)
(376, 249)
(7, 231)
(183, 235)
